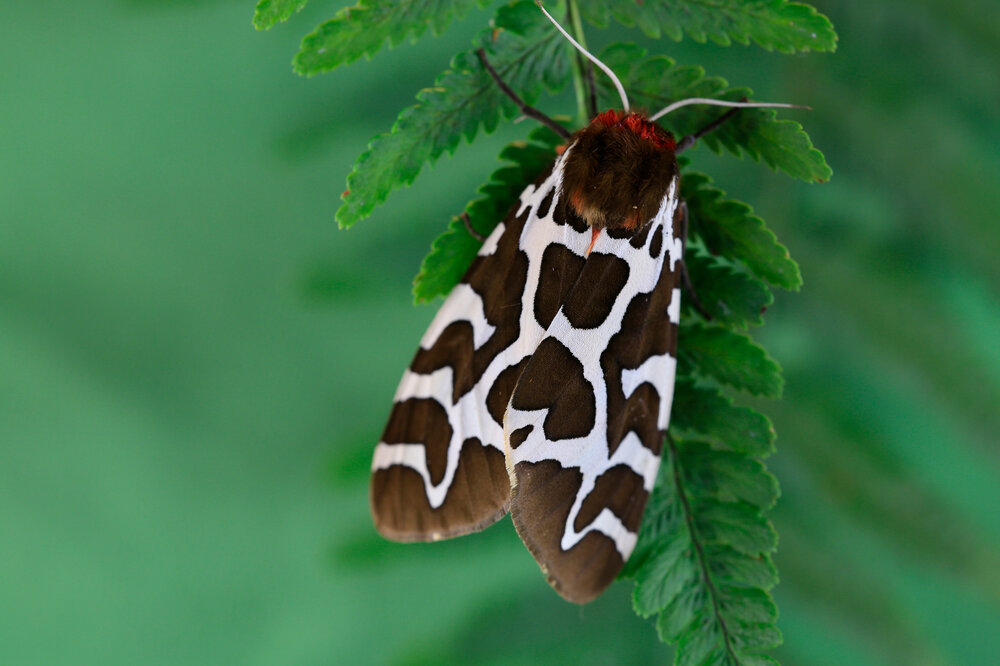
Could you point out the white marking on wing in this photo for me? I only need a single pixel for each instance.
(643, 462)
(532, 196)
(590, 453)
(668, 207)
(491, 242)
(464, 304)
(608, 524)
(676, 249)
(436, 385)
(468, 417)
(674, 309)
(408, 455)
(658, 371)
(412, 456)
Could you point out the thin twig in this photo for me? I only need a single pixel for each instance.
(529, 111)
(468, 227)
(689, 288)
(685, 276)
(689, 140)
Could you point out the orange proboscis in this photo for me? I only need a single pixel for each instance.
(594, 233)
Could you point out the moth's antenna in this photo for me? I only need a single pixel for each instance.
(604, 68)
(719, 102)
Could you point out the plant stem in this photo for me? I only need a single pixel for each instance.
(579, 75)
(529, 111)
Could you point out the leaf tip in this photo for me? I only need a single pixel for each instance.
(344, 217)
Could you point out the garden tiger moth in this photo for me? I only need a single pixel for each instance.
(543, 385)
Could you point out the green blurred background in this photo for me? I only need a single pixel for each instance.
(195, 364)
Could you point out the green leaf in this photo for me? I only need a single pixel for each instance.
(773, 24)
(749, 606)
(525, 53)
(705, 547)
(683, 611)
(731, 297)
(453, 251)
(737, 525)
(730, 229)
(782, 144)
(760, 659)
(362, 29)
(701, 644)
(729, 564)
(728, 475)
(729, 357)
(668, 574)
(451, 254)
(710, 414)
(271, 12)
(655, 82)
(660, 524)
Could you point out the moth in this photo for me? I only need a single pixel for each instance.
(543, 386)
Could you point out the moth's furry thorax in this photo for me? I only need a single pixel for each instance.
(618, 170)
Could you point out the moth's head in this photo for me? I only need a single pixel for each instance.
(618, 171)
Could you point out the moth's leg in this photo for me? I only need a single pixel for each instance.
(685, 277)
(468, 227)
(529, 111)
(689, 140)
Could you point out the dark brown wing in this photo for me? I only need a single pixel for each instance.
(587, 417)
(439, 470)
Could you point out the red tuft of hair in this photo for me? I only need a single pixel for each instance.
(638, 125)
(609, 118)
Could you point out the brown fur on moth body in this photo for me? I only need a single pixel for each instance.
(618, 171)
